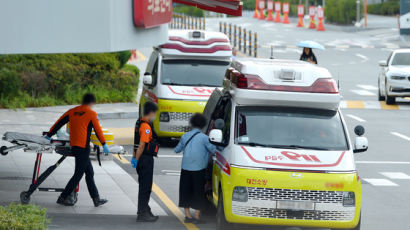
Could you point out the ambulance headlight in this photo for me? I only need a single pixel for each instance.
(349, 199)
(240, 194)
(164, 117)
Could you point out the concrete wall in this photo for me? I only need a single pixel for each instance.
(59, 26)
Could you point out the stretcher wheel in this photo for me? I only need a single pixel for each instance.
(2, 150)
(24, 198)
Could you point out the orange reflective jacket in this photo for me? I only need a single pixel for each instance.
(82, 120)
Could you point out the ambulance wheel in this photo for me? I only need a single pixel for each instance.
(221, 223)
(2, 150)
(24, 198)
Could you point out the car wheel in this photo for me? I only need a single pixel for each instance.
(390, 100)
(380, 97)
(221, 223)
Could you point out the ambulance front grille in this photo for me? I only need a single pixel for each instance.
(332, 197)
(298, 215)
(177, 116)
(178, 129)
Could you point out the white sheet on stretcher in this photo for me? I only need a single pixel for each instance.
(25, 137)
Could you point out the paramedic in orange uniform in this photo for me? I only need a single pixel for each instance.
(143, 161)
(82, 120)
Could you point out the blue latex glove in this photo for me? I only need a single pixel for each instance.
(134, 162)
(47, 137)
(105, 149)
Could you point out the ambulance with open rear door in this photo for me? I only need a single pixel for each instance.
(182, 74)
(284, 154)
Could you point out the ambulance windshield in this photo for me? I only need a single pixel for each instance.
(290, 128)
(193, 72)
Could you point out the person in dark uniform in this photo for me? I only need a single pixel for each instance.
(308, 56)
(143, 160)
(82, 120)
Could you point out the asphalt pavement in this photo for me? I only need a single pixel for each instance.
(353, 61)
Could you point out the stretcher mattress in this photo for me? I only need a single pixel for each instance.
(25, 137)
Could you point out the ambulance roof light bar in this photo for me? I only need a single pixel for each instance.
(254, 82)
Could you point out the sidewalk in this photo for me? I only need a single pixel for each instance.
(112, 181)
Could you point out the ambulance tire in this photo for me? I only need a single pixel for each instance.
(24, 198)
(221, 223)
(2, 150)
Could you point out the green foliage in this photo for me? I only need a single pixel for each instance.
(189, 10)
(391, 7)
(23, 217)
(341, 11)
(56, 79)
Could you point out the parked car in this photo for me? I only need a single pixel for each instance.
(394, 77)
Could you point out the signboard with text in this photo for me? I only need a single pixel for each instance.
(152, 13)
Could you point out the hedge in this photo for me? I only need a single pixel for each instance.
(23, 217)
(341, 11)
(189, 10)
(57, 79)
(391, 7)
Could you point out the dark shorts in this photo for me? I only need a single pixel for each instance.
(192, 189)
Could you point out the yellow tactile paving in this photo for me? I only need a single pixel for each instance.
(383, 105)
(355, 104)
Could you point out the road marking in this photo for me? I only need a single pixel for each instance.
(170, 156)
(400, 135)
(384, 162)
(172, 207)
(363, 92)
(367, 87)
(365, 59)
(355, 104)
(122, 159)
(396, 175)
(385, 106)
(380, 182)
(356, 118)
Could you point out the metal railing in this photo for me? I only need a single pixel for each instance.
(185, 22)
(243, 40)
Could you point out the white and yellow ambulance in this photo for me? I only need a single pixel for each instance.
(284, 154)
(182, 74)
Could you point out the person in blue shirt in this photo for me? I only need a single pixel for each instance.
(196, 150)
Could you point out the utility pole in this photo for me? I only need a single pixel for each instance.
(357, 12)
(307, 7)
(365, 13)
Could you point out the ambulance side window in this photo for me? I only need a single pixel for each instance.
(222, 111)
(154, 73)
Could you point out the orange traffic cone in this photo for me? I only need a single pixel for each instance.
(270, 16)
(277, 17)
(261, 15)
(285, 19)
(320, 25)
(300, 22)
(256, 13)
(312, 24)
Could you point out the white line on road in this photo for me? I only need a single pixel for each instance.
(380, 182)
(365, 59)
(363, 92)
(400, 135)
(356, 118)
(367, 87)
(396, 175)
(384, 162)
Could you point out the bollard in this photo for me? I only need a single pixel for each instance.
(203, 23)
(301, 14)
(240, 38)
(230, 32)
(185, 23)
(224, 27)
(255, 45)
(234, 36)
(220, 27)
(244, 41)
(250, 43)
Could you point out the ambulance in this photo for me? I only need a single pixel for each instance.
(284, 155)
(181, 75)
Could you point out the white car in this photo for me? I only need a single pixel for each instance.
(394, 77)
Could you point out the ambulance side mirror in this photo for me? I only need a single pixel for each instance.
(361, 143)
(147, 79)
(215, 137)
(382, 63)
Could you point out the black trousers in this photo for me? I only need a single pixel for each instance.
(192, 189)
(145, 170)
(82, 166)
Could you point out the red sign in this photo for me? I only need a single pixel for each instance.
(312, 11)
(270, 5)
(262, 4)
(277, 6)
(151, 13)
(301, 10)
(286, 8)
(320, 13)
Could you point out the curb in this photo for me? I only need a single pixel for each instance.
(118, 115)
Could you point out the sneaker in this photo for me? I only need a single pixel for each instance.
(151, 214)
(98, 201)
(188, 220)
(146, 217)
(64, 201)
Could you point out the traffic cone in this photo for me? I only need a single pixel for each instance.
(270, 16)
(312, 24)
(285, 19)
(256, 13)
(277, 17)
(261, 15)
(300, 22)
(320, 25)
